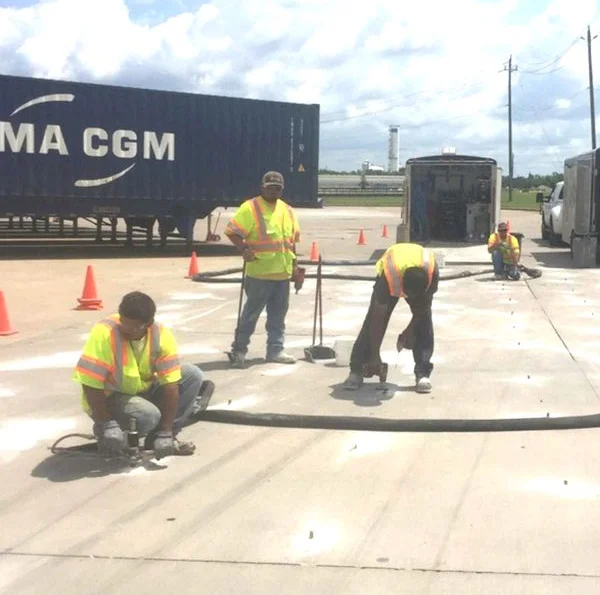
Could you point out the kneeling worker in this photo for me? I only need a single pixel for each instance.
(409, 271)
(130, 368)
(504, 248)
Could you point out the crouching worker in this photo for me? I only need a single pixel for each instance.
(504, 248)
(409, 271)
(130, 368)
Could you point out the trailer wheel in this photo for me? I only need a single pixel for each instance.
(553, 238)
(571, 244)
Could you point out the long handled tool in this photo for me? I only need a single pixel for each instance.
(319, 351)
(239, 315)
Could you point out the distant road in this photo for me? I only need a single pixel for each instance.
(353, 181)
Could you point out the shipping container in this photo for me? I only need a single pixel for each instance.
(451, 198)
(70, 149)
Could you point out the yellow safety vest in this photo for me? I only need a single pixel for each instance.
(507, 246)
(398, 258)
(108, 361)
(271, 232)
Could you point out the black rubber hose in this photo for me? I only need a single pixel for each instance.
(375, 424)
(338, 263)
(212, 277)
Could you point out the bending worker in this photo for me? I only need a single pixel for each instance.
(409, 271)
(504, 248)
(130, 368)
(265, 230)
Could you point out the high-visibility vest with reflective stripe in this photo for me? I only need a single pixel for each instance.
(507, 246)
(272, 235)
(109, 363)
(400, 257)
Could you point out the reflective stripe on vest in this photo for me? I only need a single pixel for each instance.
(395, 277)
(115, 380)
(119, 349)
(264, 243)
(94, 368)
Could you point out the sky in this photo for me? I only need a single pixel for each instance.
(436, 69)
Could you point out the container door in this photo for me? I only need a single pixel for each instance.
(584, 202)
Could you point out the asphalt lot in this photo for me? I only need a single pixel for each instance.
(269, 510)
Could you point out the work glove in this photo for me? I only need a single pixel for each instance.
(164, 445)
(111, 438)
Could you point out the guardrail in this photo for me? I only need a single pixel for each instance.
(341, 191)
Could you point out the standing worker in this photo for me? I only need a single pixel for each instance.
(129, 368)
(409, 271)
(504, 248)
(265, 230)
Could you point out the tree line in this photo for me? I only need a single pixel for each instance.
(533, 180)
(520, 182)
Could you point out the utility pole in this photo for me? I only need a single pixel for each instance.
(591, 75)
(510, 151)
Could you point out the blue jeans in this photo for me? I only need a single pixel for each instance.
(275, 295)
(503, 268)
(144, 407)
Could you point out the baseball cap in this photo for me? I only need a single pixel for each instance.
(272, 178)
(502, 226)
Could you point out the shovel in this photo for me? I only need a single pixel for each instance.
(319, 351)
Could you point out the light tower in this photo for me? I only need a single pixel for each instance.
(393, 149)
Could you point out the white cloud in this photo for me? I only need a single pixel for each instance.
(563, 103)
(434, 68)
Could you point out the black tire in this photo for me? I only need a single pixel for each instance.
(553, 238)
(571, 245)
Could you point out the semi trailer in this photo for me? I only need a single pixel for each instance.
(72, 150)
(581, 208)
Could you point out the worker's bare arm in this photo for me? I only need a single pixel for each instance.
(168, 405)
(98, 403)
(241, 245)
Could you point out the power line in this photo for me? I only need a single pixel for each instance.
(533, 109)
(417, 93)
(541, 124)
(555, 60)
(403, 104)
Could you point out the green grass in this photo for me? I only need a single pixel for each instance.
(521, 200)
(363, 201)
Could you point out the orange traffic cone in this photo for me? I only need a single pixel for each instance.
(193, 269)
(384, 233)
(361, 238)
(89, 300)
(314, 252)
(5, 328)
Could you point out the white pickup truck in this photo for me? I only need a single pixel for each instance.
(551, 209)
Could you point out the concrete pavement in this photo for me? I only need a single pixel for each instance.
(312, 511)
